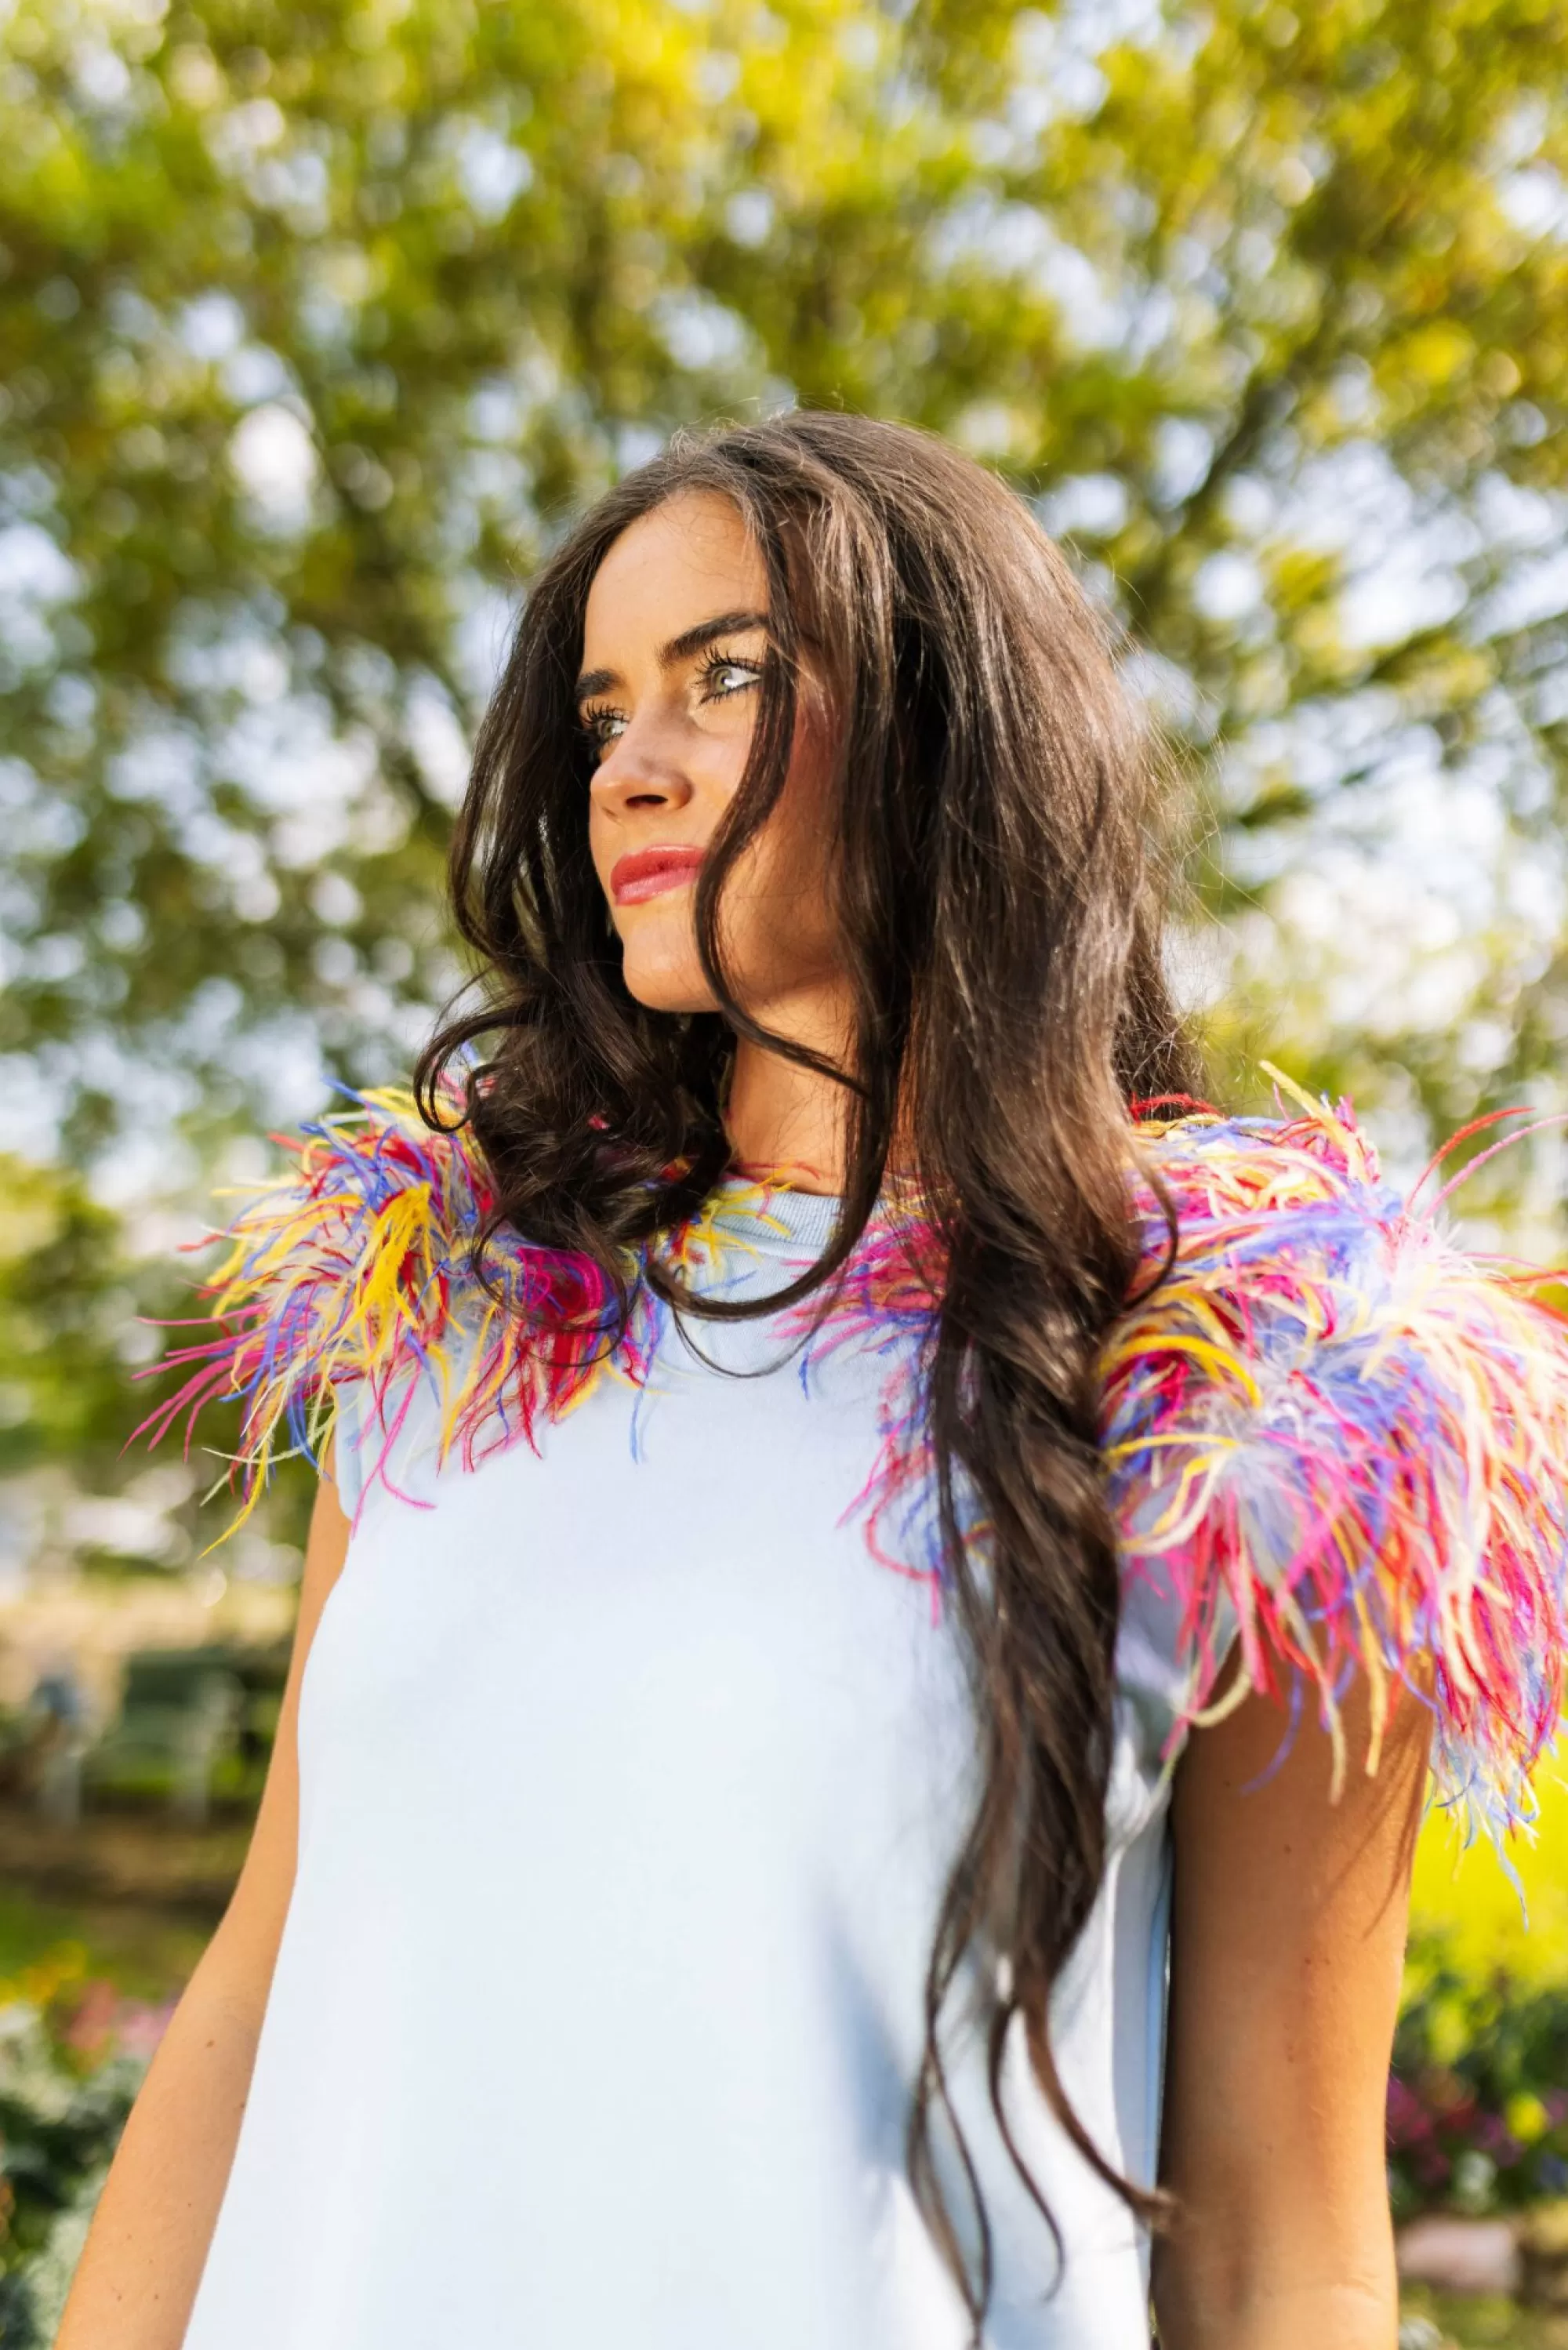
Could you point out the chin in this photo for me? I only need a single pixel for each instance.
(672, 982)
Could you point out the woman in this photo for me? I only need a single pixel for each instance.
(835, 1480)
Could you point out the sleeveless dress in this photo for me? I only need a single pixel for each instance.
(636, 1739)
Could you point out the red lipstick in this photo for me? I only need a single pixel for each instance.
(649, 872)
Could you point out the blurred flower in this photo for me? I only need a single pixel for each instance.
(1527, 2116)
(1477, 2105)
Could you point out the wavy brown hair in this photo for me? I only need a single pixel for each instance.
(992, 895)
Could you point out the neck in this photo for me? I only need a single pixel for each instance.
(783, 1117)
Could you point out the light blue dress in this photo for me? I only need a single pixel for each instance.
(629, 1781)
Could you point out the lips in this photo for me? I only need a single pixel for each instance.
(649, 872)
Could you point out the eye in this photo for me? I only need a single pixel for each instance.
(722, 675)
(600, 724)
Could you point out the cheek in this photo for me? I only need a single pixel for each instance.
(601, 847)
(780, 927)
(713, 760)
(799, 839)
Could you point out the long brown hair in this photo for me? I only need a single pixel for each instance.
(998, 925)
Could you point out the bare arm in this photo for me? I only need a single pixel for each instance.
(145, 2252)
(1288, 1940)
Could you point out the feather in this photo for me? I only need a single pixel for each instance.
(1334, 1441)
(1331, 1431)
(1331, 1437)
(354, 1266)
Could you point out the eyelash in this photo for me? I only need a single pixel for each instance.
(717, 661)
(598, 713)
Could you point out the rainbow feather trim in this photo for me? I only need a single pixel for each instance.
(354, 1267)
(1332, 1440)
(1333, 1436)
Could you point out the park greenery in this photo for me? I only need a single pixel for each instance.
(320, 321)
(73, 2050)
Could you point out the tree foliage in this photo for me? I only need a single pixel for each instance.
(321, 318)
(67, 1297)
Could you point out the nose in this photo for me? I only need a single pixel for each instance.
(640, 770)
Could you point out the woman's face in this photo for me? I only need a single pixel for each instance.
(674, 636)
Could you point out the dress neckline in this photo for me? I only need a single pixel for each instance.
(772, 1217)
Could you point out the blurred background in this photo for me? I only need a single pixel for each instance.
(318, 321)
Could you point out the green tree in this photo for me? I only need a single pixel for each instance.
(67, 1304)
(78, 1310)
(320, 317)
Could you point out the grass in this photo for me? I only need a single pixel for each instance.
(142, 1953)
(1483, 2323)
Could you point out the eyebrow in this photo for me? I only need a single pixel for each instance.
(679, 649)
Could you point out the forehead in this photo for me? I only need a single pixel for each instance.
(688, 558)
